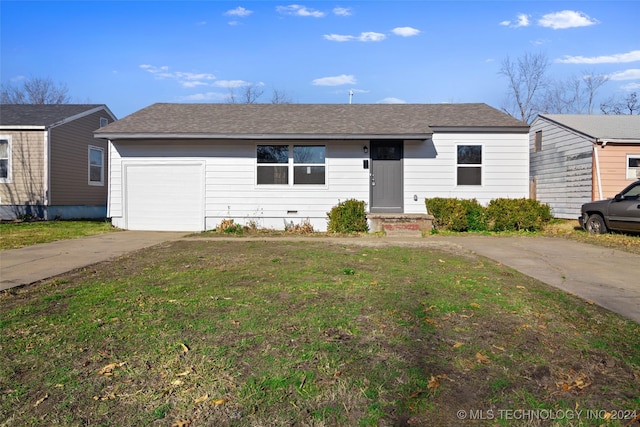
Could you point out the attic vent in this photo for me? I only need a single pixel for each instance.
(103, 122)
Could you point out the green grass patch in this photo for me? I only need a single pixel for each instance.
(20, 234)
(217, 333)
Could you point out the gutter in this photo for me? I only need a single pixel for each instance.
(173, 136)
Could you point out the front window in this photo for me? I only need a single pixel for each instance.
(537, 143)
(5, 159)
(469, 164)
(285, 164)
(96, 166)
(633, 166)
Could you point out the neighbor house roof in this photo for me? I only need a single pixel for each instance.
(603, 128)
(44, 115)
(306, 121)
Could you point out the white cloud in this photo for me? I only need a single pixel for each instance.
(342, 11)
(522, 20)
(185, 79)
(617, 58)
(566, 19)
(231, 84)
(405, 31)
(368, 36)
(631, 74)
(392, 100)
(207, 96)
(343, 79)
(299, 10)
(631, 86)
(239, 11)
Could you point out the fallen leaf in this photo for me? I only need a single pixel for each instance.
(177, 382)
(107, 370)
(458, 344)
(481, 358)
(497, 347)
(183, 374)
(42, 399)
(520, 287)
(434, 383)
(218, 402)
(181, 423)
(441, 260)
(185, 349)
(475, 305)
(201, 398)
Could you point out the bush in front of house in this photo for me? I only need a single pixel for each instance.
(457, 214)
(500, 215)
(517, 215)
(349, 216)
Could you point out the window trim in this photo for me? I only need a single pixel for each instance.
(468, 165)
(628, 169)
(90, 182)
(9, 178)
(291, 166)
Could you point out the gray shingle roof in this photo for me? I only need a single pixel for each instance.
(304, 120)
(40, 114)
(600, 126)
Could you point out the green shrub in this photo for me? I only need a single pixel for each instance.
(456, 214)
(517, 215)
(349, 216)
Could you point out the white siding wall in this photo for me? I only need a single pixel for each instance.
(430, 168)
(562, 169)
(232, 193)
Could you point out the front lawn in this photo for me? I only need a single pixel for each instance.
(241, 333)
(19, 234)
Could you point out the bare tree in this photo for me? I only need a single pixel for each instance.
(628, 105)
(35, 90)
(572, 96)
(279, 96)
(248, 94)
(526, 79)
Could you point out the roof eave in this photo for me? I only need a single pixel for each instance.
(135, 135)
(22, 127)
(480, 129)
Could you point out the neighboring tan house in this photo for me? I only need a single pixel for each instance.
(579, 158)
(51, 166)
(190, 166)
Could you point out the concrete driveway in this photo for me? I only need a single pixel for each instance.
(28, 265)
(604, 276)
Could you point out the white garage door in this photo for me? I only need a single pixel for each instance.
(165, 196)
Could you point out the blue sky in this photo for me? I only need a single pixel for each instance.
(129, 54)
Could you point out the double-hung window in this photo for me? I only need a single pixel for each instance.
(5, 158)
(291, 165)
(633, 166)
(96, 165)
(469, 164)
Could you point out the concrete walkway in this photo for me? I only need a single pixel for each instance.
(607, 277)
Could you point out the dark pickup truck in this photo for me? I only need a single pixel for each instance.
(622, 213)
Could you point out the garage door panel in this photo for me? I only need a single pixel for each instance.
(165, 197)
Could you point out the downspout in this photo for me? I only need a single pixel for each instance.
(47, 171)
(597, 160)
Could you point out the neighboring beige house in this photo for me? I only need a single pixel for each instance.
(51, 166)
(579, 158)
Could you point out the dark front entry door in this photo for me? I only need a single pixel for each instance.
(386, 177)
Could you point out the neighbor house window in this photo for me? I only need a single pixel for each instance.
(103, 122)
(469, 164)
(5, 159)
(537, 143)
(96, 166)
(633, 166)
(296, 164)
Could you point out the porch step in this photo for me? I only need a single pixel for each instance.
(399, 224)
